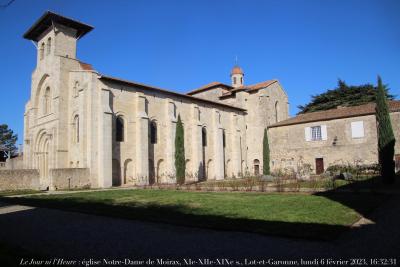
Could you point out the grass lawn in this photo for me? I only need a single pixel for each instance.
(294, 215)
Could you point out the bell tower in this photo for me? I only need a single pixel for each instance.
(237, 77)
(56, 35)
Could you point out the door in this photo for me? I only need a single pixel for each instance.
(319, 165)
(256, 170)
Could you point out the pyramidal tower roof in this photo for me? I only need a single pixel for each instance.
(48, 19)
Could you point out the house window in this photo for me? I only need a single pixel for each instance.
(357, 129)
(316, 133)
(119, 137)
(153, 132)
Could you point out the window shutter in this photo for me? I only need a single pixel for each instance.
(357, 129)
(324, 133)
(307, 132)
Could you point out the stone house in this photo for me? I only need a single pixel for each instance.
(317, 140)
(84, 128)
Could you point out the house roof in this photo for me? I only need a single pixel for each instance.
(208, 87)
(232, 90)
(85, 66)
(47, 20)
(169, 92)
(337, 113)
(249, 88)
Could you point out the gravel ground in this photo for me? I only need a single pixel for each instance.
(74, 235)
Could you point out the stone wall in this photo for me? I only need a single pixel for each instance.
(16, 163)
(291, 151)
(19, 179)
(69, 178)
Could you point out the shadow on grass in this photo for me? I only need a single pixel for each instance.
(363, 196)
(363, 203)
(175, 214)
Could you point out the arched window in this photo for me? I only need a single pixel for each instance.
(204, 136)
(48, 46)
(223, 139)
(119, 129)
(153, 132)
(234, 80)
(276, 112)
(241, 80)
(76, 129)
(42, 51)
(46, 101)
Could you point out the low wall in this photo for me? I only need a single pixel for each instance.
(70, 178)
(19, 179)
(16, 163)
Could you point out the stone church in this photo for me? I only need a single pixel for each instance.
(84, 128)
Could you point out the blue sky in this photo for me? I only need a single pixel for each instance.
(182, 45)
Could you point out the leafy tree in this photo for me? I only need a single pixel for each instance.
(266, 169)
(343, 95)
(7, 140)
(386, 139)
(180, 152)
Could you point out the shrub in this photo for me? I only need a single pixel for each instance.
(354, 169)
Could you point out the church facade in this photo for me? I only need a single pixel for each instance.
(118, 132)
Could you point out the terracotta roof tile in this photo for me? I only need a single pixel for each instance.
(261, 85)
(236, 70)
(337, 113)
(208, 87)
(232, 90)
(249, 88)
(86, 66)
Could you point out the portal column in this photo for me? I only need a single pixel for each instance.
(142, 140)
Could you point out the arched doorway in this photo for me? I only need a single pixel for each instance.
(256, 167)
(43, 158)
(128, 171)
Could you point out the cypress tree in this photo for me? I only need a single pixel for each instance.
(386, 139)
(266, 170)
(180, 152)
